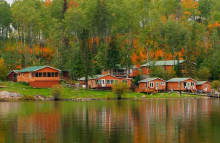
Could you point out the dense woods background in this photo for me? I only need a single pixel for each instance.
(85, 36)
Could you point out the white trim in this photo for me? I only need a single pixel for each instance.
(152, 83)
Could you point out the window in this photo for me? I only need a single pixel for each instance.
(52, 74)
(206, 86)
(162, 83)
(108, 81)
(96, 81)
(22, 74)
(103, 81)
(100, 82)
(36, 74)
(184, 84)
(91, 82)
(56, 74)
(146, 84)
(40, 74)
(125, 81)
(48, 74)
(151, 84)
(192, 83)
(19, 74)
(45, 74)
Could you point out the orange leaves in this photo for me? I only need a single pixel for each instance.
(189, 7)
(72, 4)
(47, 3)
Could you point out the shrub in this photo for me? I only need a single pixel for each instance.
(120, 88)
(27, 98)
(108, 96)
(56, 92)
(216, 85)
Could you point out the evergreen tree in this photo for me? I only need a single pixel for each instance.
(3, 70)
(177, 68)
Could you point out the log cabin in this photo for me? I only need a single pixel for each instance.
(39, 76)
(150, 85)
(203, 86)
(103, 81)
(182, 84)
(12, 76)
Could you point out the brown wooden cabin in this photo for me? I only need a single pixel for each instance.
(182, 84)
(150, 85)
(12, 76)
(166, 65)
(103, 81)
(203, 86)
(39, 76)
(65, 74)
(123, 72)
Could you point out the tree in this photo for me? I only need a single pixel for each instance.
(3, 70)
(216, 85)
(203, 73)
(120, 88)
(178, 68)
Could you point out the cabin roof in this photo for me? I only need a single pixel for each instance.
(16, 71)
(200, 82)
(150, 79)
(163, 63)
(179, 79)
(101, 76)
(35, 68)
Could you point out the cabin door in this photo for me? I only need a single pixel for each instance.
(157, 85)
(103, 83)
(30, 75)
(188, 85)
(206, 87)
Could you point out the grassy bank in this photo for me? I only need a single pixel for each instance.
(69, 93)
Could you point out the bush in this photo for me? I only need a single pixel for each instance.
(216, 85)
(120, 88)
(27, 98)
(56, 92)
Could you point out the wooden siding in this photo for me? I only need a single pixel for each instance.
(201, 88)
(12, 77)
(175, 85)
(143, 88)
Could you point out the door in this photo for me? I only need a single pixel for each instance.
(188, 85)
(30, 75)
(103, 82)
(206, 87)
(157, 85)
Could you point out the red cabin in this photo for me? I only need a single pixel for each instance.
(152, 85)
(203, 86)
(12, 76)
(181, 84)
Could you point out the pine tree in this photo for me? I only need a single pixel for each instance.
(177, 68)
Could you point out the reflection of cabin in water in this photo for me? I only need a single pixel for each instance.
(103, 81)
(39, 76)
(152, 85)
(181, 84)
(12, 76)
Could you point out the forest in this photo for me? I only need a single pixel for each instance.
(85, 36)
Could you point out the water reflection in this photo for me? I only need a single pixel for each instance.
(153, 120)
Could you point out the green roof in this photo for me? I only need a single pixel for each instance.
(34, 68)
(163, 63)
(149, 79)
(179, 79)
(94, 77)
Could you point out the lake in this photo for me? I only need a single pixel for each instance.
(150, 120)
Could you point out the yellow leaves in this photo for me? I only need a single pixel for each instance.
(187, 13)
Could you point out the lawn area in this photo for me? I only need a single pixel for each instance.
(68, 93)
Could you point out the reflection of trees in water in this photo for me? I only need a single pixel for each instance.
(176, 120)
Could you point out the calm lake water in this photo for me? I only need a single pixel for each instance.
(153, 120)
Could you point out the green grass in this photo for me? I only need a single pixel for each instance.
(69, 93)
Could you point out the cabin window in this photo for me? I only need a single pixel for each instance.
(103, 81)
(48, 74)
(45, 74)
(151, 84)
(96, 81)
(162, 83)
(184, 84)
(192, 83)
(125, 81)
(91, 82)
(40, 74)
(56, 74)
(206, 86)
(108, 81)
(100, 82)
(36, 74)
(19, 74)
(52, 74)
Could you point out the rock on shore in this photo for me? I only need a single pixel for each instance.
(10, 95)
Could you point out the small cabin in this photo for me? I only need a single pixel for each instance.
(103, 81)
(181, 84)
(203, 86)
(39, 76)
(12, 76)
(150, 85)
